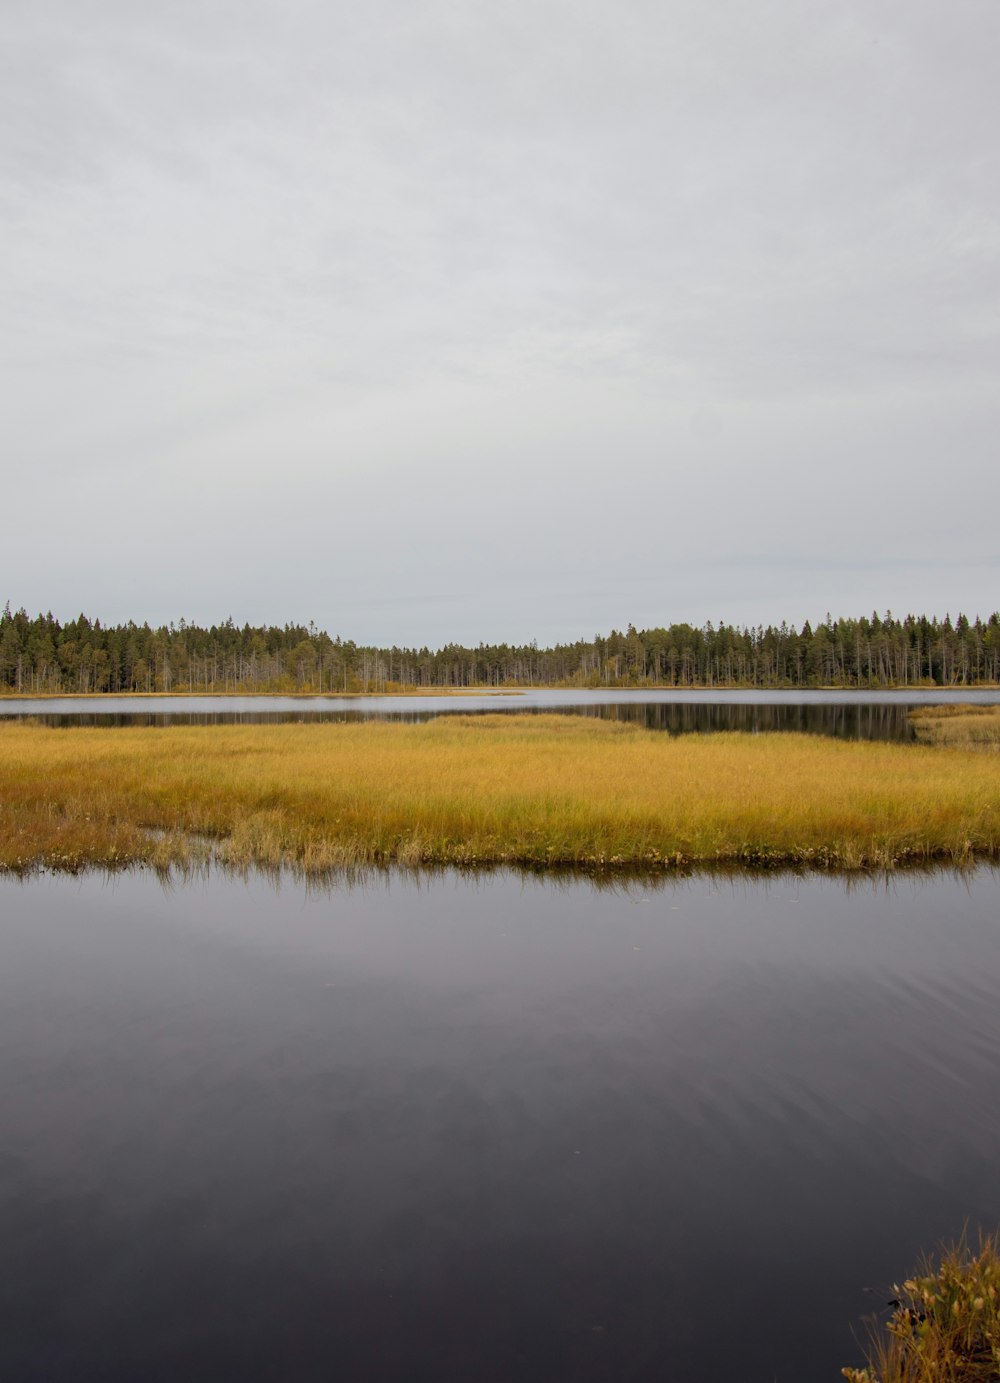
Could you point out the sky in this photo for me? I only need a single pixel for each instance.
(445, 320)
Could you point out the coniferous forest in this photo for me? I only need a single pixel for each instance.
(41, 655)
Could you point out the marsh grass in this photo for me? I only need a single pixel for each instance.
(969, 727)
(945, 1323)
(544, 792)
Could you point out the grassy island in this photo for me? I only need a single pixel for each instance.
(540, 791)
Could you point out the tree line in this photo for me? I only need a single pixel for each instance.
(42, 655)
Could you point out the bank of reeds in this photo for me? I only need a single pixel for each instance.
(540, 791)
(945, 1322)
(961, 726)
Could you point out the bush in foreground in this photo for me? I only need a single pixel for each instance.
(945, 1323)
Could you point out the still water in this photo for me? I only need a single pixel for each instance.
(852, 715)
(484, 1129)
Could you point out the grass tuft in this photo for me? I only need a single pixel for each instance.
(945, 1323)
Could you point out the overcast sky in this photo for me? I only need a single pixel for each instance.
(435, 320)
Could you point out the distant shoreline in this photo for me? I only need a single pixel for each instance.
(422, 692)
(264, 695)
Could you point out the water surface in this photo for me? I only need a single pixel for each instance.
(845, 714)
(484, 1129)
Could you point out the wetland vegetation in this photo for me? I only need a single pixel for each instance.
(542, 791)
(945, 1322)
(958, 726)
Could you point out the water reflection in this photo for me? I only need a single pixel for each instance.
(850, 719)
(485, 1128)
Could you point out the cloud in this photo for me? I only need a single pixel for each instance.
(467, 289)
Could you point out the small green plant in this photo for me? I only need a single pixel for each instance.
(945, 1322)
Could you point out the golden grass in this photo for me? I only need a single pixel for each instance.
(485, 790)
(945, 1327)
(972, 727)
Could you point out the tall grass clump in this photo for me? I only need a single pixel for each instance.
(945, 1324)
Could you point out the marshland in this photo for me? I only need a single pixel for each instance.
(552, 790)
(511, 1040)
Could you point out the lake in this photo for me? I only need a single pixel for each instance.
(487, 1128)
(853, 715)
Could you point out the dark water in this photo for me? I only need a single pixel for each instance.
(851, 715)
(484, 1130)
